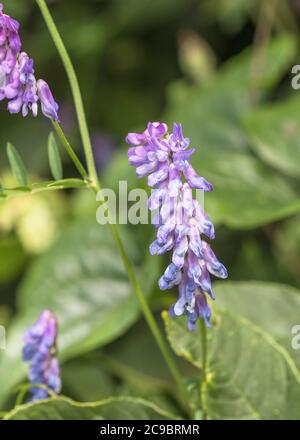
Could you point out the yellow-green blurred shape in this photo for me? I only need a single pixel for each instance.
(196, 58)
(34, 218)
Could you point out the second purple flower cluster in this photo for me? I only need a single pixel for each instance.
(18, 84)
(40, 351)
(180, 219)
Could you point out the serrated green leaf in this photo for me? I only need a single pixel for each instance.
(278, 312)
(54, 158)
(119, 408)
(252, 371)
(16, 164)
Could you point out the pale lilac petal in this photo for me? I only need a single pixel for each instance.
(158, 176)
(180, 251)
(196, 181)
(213, 264)
(170, 278)
(145, 169)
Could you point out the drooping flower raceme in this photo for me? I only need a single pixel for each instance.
(40, 351)
(18, 84)
(180, 220)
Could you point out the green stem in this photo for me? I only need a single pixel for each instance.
(20, 397)
(24, 388)
(74, 86)
(263, 32)
(204, 365)
(70, 150)
(96, 186)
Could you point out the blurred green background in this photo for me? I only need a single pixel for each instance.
(223, 69)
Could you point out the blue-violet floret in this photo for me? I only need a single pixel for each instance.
(40, 352)
(18, 84)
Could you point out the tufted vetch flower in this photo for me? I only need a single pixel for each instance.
(18, 84)
(181, 222)
(40, 352)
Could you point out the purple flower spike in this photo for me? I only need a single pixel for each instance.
(18, 84)
(40, 352)
(180, 221)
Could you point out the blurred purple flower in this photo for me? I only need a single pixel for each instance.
(181, 221)
(17, 80)
(103, 148)
(40, 351)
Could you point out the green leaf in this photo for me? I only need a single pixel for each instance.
(272, 307)
(67, 183)
(212, 115)
(96, 376)
(252, 371)
(86, 380)
(17, 190)
(244, 193)
(145, 372)
(16, 164)
(119, 408)
(54, 158)
(275, 132)
(83, 281)
(41, 187)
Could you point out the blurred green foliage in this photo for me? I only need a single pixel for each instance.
(208, 65)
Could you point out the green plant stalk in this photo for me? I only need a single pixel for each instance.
(165, 351)
(204, 365)
(263, 32)
(20, 397)
(24, 388)
(75, 159)
(74, 86)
